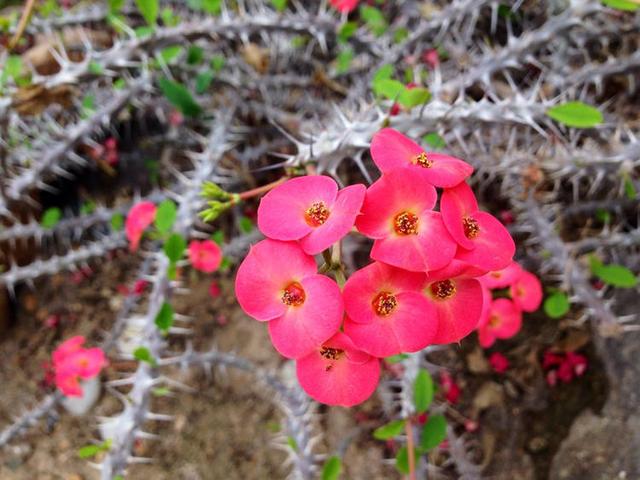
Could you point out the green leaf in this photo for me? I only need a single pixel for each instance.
(402, 461)
(195, 55)
(434, 140)
(332, 468)
(174, 247)
(89, 451)
(412, 97)
(213, 7)
(629, 187)
(422, 391)
(343, 60)
(149, 10)
(346, 31)
(164, 319)
(142, 354)
(246, 224)
(396, 358)
(88, 207)
(390, 430)
(613, 274)
(165, 216)
(161, 391)
(88, 106)
(142, 32)
(384, 72)
(576, 114)
(51, 217)
(217, 62)
(218, 237)
(203, 81)
(434, 432)
(388, 88)
(115, 5)
(12, 67)
(279, 5)
(292, 443)
(625, 5)
(171, 53)
(556, 305)
(95, 68)
(180, 97)
(374, 19)
(400, 34)
(169, 18)
(117, 222)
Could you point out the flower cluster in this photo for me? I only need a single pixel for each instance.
(421, 289)
(564, 367)
(519, 290)
(71, 363)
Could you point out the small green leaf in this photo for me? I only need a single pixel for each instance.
(625, 5)
(613, 274)
(169, 18)
(164, 319)
(422, 391)
(213, 7)
(51, 217)
(161, 391)
(143, 31)
(142, 354)
(384, 72)
(396, 358)
(412, 97)
(332, 468)
(556, 305)
(246, 224)
(279, 5)
(402, 461)
(434, 432)
(165, 216)
(95, 68)
(171, 53)
(629, 188)
(203, 81)
(88, 207)
(149, 10)
(174, 247)
(603, 215)
(388, 88)
(343, 60)
(115, 5)
(346, 31)
(180, 97)
(217, 62)
(434, 140)
(195, 55)
(374, 19)
(400, 34)
(119, 84)
(292, 443)
(89, 451)
(117, 222)
(576, 114)
(218, 237)
(390, 430)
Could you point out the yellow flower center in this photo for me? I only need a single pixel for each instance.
(406, 223)
(471, 227)
(293, 295)
(443, 290)
(384, 303)
(316, 214)
(422, 160)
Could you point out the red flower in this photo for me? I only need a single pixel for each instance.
(498, 362)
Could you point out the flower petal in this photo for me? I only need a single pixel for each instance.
(456, 204)
(303, 328)
(390, 150)
(409, 328)
(526, 292)
(281, 213)
(445, 171)
(263, 275)
(494, 247)
(341, 219)
(458, 316)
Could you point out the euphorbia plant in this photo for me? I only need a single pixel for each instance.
(422, 288)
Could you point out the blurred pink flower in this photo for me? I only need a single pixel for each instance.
(139, 218)
(205, 255)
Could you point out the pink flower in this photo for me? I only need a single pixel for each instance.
(450, 387)
(277, 282)
(67, 348)
(344, 6)
(526, 291)
(431, 58)
(337, 373)
(214, 290)
(310, 209)
(502, 278)
(578, 363)
(140, 217)
(398, 214)
(485, 242)
(386, 313)
(457, 299)
(498, 362)
(504, 321)
(551, 359)
(70, 362)
(205, 255)
(391, 150)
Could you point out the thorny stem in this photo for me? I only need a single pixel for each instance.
(408, 426)
(336, 262)
(263, 189)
